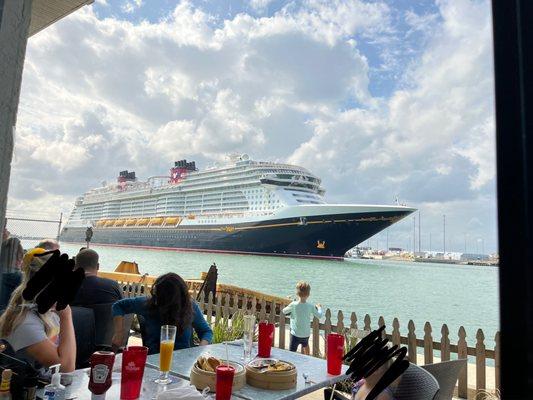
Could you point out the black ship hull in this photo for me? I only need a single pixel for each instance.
(324, 236)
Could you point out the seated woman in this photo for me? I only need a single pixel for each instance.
(33, 336)
(363, 387)
(169, 304)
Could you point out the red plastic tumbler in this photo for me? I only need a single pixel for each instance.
(335, 353)
(224, 382)
(133, 362)
(266, 338)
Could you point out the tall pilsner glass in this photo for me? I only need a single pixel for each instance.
(166, 348)
(248, 337)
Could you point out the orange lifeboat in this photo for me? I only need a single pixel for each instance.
(143, 221)
(156, 221)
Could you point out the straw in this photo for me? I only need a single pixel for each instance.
(227, 354)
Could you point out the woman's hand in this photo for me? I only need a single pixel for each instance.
(65, 313)
(204, 342)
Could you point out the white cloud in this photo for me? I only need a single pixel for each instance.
(102, 95)
(130, 6)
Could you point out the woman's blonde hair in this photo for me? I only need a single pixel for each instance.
(17, 307)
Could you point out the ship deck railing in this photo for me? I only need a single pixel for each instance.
(425, 347)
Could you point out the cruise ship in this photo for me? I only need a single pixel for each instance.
(244, 206)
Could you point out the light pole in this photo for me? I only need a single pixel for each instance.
(444, 234)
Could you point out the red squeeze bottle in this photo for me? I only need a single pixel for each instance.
(101, 370)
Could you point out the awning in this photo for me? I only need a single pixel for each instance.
(45, 12)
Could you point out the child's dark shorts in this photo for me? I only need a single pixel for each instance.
(296, 341)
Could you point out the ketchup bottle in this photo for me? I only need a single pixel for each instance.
(101, 370)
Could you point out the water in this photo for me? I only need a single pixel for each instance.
(439, 293)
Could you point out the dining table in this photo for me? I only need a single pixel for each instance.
(312, 371)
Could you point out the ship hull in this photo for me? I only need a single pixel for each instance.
(324, 236)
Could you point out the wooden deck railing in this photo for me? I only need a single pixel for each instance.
(422, 345)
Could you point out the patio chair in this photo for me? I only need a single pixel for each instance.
(416, 384)
(446, 373)
(84, 328)
(103, 321)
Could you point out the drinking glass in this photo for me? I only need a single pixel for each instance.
(166, 348)
(133, 363)
(266, 338)
(248, 336)
(224, 382)
(335, 352)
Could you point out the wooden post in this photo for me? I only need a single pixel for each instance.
(381, 322)
(209, 312)
(262, 312)
(316, 337)
(340, 323)
(282, 330)
(411, 341)
(353, 321)
(428, 344)
(218, 307)
(367, 323)
(396, 336)
(327, 329)
(445, 343)
(480, 361)
(462, 352)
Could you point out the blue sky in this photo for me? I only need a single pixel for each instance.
(381, 99)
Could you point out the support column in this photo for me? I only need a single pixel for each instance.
(15, 18)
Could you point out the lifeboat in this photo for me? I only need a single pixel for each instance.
(156, 221)
(100, 223)
(171, 220)
(130, 222)
(191, 216)
(120, 222)
(109, 222)
(143, 221)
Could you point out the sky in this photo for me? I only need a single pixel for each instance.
(381, 99)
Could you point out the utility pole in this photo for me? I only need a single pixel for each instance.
(414, 234)
(419, 233)
(444, 234)
(430, 242)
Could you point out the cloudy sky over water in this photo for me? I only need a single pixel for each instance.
(381, 99)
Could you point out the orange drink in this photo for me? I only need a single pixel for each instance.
(165, 355)
(166, 347)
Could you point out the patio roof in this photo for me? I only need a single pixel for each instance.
(45, 12)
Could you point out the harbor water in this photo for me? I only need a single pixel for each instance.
(439, 293)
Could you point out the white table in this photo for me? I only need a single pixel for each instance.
(315, 368)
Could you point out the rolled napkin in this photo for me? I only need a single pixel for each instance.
(188, 392)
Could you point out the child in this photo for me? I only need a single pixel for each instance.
(301, 313)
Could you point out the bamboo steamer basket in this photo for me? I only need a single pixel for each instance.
(279, 380)
(202, 379)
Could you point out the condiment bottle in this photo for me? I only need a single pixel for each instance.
(55, 390)
(5, 393)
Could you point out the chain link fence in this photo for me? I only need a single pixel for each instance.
(31, 228)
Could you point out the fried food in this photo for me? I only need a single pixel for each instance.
(208, 363)
(279, 366)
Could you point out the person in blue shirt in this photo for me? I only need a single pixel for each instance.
(169, 304)
(301, 313)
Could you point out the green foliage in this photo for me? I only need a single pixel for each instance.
(226, 330)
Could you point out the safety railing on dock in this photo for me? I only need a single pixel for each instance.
(424, 346)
